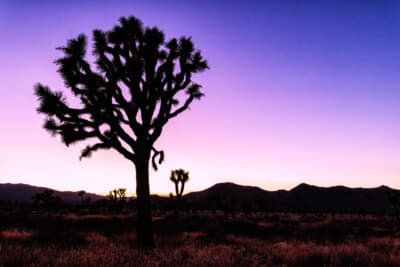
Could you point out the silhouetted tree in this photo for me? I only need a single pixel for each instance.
(179, 178)
(47, 198)
(113, 195)
(117, 197)
(122, 194)
(82, 195)
(141, 82)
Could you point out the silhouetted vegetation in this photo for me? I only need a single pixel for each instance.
(103, 234)
(66, 238)
(179, 178)
(81, 194)
(135, 85)
(47, 199)
(118, 199)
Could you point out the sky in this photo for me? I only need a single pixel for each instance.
(297, 91)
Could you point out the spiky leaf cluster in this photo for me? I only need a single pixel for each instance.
(130, 95)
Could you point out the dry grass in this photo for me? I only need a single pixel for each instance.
(15, 234)
(376, 252)
(119, 250)
(187, 249)
(283, 240)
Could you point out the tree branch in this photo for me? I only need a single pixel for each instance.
(182, 108)
(116, 145)
(87, 152)
(156, 153)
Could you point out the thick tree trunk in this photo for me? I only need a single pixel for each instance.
(144, 227)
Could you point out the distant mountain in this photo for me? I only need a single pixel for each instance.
(303, 197)
(226, 191)
(24, 193)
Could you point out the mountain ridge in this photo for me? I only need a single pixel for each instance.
(303, 197)
(21, 192)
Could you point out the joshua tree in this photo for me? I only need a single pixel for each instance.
(122, 194)
(113, 195)
(179, 177)
(118, 196)
(82, 195)
(46, 197)
(140, 82)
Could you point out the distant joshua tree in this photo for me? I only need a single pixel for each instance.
(117, 195)
(179, 178)
(82, 195)
(46, 197)
(122, 194)
(113, 195)
(139, 83)
(88, 200)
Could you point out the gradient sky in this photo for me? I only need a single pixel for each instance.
(297, 92)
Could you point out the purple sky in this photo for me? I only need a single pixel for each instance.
(296, 93)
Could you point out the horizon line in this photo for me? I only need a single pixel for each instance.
(192, 191)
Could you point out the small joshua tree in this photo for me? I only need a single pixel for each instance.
(113, 195)
(179, 177)
(118, 197)
(122, 194)
(47, 198)
(82, 195)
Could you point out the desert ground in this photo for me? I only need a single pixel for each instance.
(78, 236)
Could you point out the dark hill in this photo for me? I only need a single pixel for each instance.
(24, 193)
(304, 197)
(226, 191)
(339, 198)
